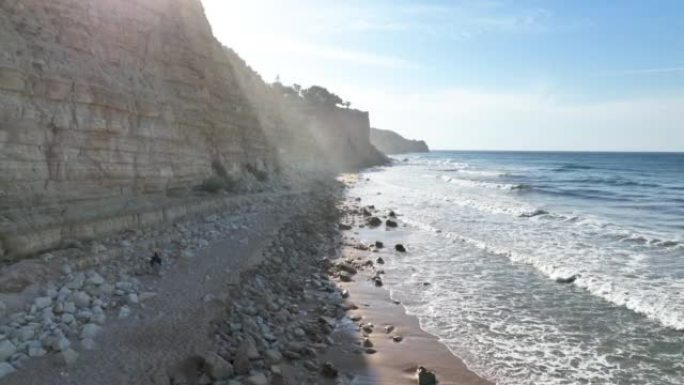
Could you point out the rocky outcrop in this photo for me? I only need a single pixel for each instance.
(111, 112)
(389, 142)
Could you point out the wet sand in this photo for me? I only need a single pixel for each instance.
(393, 362)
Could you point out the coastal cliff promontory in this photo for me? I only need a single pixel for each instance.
(114, 113)
(389, 142)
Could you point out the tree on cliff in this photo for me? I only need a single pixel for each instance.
(321, 96)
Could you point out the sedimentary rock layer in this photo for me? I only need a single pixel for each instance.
(119, 106)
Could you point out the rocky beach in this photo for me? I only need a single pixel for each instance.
(275, 291)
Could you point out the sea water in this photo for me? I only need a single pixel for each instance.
(496, 233)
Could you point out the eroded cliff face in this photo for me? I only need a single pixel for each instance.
(112, 110)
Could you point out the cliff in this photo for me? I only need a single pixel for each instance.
(389, 142)
(112, 113)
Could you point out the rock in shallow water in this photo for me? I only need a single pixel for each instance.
(400, 248)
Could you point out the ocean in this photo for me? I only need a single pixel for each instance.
(542, 267)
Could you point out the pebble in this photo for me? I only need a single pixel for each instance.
(7, 349)
(95, 279)
(70, 356)
(124, 312)
(80, 299)
(5, 369)
(61, 344)
(90, 331)
(132, 299)
(42, 302)
(88, 344)
(219, 369)
(257, 379)
(328, 370)
(273, 356)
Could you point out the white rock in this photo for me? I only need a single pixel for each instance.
(24, 333)
(99, 318)
(63, 293)
(6, 369)
(132, 299)
(7, 349)
(125, 286)
(70, 356)
(69, 307)
(84, 315)
(76, 283)
(124, 312)
(90, 331)
(95, 279)
(80, 298)
(61, 344)
(42, 302)
(36, 350)
(68, 318)
(257, 379)
(88, 344)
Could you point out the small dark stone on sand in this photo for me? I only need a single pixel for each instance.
(328, 370)
(379, 244)
(426, 377)
(377, 281)
(392, 214)
(345, 227)
(400, 248)
(380, 261)
(390, 223)
(374, 222)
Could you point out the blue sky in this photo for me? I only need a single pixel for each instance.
(513, 75)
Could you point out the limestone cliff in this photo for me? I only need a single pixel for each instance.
(112, 111)
(389, 142)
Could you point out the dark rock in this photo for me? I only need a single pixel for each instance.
(342, 226)
(400, 248)
(392, 214)
(366, 213)
(380, 261)
(426, 377)
(390, 223)
(570, 279)
(328, 370)
(397, 339)
(374, 222)
(377, 281)
(379, 245)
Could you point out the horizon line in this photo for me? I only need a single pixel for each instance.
(567, 151)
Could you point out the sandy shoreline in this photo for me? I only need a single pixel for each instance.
(262, 300)
(395, 361)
